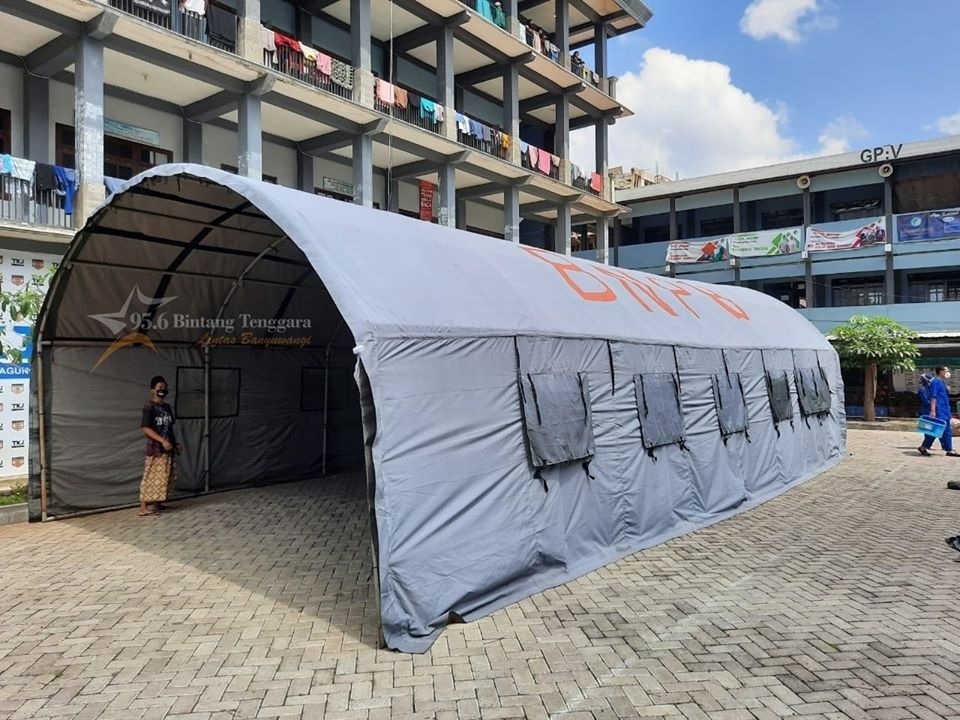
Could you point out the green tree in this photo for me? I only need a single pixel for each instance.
(874, 343)
(22, 305)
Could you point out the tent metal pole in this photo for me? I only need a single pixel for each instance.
(326, 392)
(206, 418)
(42, 439)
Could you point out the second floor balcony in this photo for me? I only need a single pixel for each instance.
(201, 20)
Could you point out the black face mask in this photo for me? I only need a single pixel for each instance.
(162, 393)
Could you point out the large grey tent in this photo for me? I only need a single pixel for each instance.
(522, 417)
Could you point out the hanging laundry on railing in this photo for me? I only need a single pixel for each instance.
(463, 124)
(402, 97)
(341, 74)
(280, 40)
(476, 129)
(534, 155)
(596, 182)
(385, 92)
(309, 54)
(45, 178)
(268, 42)
(22, 169)
(504, 140)
(194, 6)
(544, 162)
(555, 164)
(221, 26)
(324, 64)
(161, 7)
(499, 16)
(66, 186)
(485, 9)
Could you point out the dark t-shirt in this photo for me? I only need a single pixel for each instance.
(159, 417)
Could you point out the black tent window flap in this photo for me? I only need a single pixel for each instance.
(778, 390)
(557, 420)
(224, 392)
(731, 404)
(658, 407)
(813, 391)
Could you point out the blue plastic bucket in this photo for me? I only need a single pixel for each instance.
(931, 426)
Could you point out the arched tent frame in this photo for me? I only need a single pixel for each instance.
(460, 342)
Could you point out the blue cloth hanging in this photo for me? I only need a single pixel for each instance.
(67, 183)
(428, 109)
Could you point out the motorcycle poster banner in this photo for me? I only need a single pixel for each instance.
(937, 225)
(821, 240)
(764, 243)
(696, 251)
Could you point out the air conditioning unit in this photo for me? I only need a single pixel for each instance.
(803, 182)
(885, 170)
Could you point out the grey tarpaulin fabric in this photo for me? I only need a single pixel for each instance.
(441, 329)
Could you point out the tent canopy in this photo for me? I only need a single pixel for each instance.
(514, 402)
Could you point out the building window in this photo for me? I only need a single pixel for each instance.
(122, 158)
(233, 169)
(858, 292)
(5, 140)
(661, 233)
(776, 219)
(935, 288)
(716, 226)
(856, 210)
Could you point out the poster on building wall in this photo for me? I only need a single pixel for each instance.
(694, 251)
(938, 225)
(763, 243)
(873, 232)
(426, 200)
(910, 381)
(18, 270)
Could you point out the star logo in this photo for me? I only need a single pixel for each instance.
(137, 322)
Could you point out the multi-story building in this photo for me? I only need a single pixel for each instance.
(458, 112)
(870, 232)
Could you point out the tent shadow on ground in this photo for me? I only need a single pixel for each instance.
(303, 546)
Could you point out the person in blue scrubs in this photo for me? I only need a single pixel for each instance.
(940, 409)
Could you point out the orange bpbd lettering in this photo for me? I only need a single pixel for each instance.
(727, 304)
(631, 284)
(567, 268)
(676, 289)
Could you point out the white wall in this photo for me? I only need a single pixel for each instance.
(11, 98)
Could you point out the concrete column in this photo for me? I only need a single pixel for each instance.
(363, 170)
(600, 52)
(807, 260)
(511, 7)
(88, 114)
(562, 137)
(602, 151)
(360, 57)
(673, 219)
(461, 214)
(248, 32)
(192, 141)
(305, 172)
(562, 40)
(736, 272)
(511, 214)
(603, 240)
(447, 196)
(889, 279)
(563, 229)
(250, 137)
(393, 199)
(511, 110)
(736, 209)
(445, 81)
(36, 118)
(617, 234)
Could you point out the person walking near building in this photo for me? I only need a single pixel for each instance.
(940, 409)
(159, 467)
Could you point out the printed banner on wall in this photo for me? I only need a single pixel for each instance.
(426, 200)
(937, 225)
(694, 251)
(17, 271)
(822, 240)
(762, 243)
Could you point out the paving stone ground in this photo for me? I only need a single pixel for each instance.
(837, 600)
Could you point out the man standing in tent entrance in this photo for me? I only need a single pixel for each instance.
(159, 467)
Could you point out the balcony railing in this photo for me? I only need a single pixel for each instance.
(482, 137)
(491, 11)
(539, 160)
(408, 106)
(308, 65)
(592, 183)
(538, 39)
(211, 23)
(579, 68)
(25, 200)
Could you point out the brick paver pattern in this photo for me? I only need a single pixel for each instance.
(838, 599)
